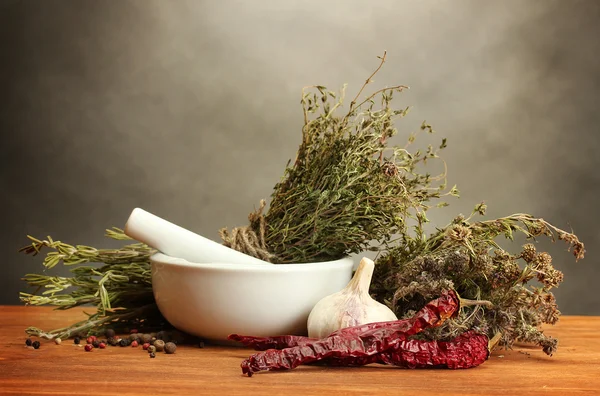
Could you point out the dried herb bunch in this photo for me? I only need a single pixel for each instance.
(464, 256)
(347, 186)
(120, 288)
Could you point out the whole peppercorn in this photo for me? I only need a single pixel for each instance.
(28, 342)
(160, 345)
(201, 344)
(95, 343)
(151, 349)
(134, 337)
(102, 345)
(145, 346)
(76, 340)
(90, 339)
(134, 344)
(152, 355)
(162, 335)
(89, 347)
(36, 344)
(124, 342)
(57, 341)
(112, 341)
(146, 338)
(133, 331)
(170, 347)
(109, 333)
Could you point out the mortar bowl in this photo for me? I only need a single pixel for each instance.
(214, 300)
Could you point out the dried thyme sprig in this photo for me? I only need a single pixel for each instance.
(347, 188)
(118, 288)
(465, 257)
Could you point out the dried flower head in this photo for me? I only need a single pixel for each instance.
(389, 169)
(542, 262)
(550, 278)
(529, 252)
(458, 233)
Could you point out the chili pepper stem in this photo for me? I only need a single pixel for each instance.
(493, 343)
(470, 303)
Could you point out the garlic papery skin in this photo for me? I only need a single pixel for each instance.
(349, 307)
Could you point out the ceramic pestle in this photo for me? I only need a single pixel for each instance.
(177, 241)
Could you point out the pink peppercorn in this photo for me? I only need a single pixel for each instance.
(89, 347)
(134, 344)
(145, 346)
(102, 345)
(91, 339)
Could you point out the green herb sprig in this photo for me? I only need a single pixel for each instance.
(120, 289)
(347, 190)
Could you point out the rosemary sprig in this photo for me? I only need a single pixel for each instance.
(117, 320)
(117, 288)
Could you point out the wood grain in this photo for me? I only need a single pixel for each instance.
(68, 370)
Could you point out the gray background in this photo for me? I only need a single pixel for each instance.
(190, 109)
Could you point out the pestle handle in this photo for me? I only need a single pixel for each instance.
(176, 241)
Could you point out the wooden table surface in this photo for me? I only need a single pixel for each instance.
(68, 369)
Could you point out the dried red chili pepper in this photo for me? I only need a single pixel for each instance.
(362, 341)
(469, 349)
(432, 314)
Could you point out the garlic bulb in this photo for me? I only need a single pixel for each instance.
(351, 306)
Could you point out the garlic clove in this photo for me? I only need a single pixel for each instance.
(351, 306)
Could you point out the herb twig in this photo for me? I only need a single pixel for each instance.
(117, 282)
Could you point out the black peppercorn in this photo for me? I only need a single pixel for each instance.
(170, 347)
(152, 355)
(95, 343)
(76, 340)
(36, 344)
(109, 333)
(124, 342)
(28, 342)
(112, 341)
